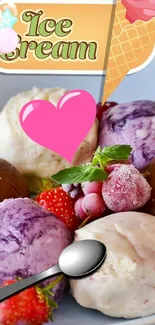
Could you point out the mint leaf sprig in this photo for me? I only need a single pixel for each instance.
(96, 170)
(107, 154)
(80, 174)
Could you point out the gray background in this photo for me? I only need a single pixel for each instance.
(137, 86)
(140, 85)
(13, 84)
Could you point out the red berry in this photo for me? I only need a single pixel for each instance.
(125, 189)
(110, 168)
(61, 205)
(103, 108)
(93, 205)
(92, 187)
(28, 307)
(78, 209)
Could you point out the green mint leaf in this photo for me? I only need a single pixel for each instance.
(80, 174)
(100, 159)
(118, 152)
(95, 160)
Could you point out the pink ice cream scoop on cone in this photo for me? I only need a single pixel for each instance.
(139, 9)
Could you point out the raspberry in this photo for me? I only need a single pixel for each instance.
(125, 189)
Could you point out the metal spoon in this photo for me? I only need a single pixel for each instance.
(77, 260)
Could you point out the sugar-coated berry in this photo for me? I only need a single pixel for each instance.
(75, 193)
(74, 190)
(92, 187)
(76, 184)
(125, 189)
(93, 205)
(110, 168)
(78, 209)
(67, 187)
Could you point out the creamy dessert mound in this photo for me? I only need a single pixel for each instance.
(124, 286)
(31, 241)
(133, 124)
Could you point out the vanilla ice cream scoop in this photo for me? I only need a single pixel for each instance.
(27, 156)
(124, 286)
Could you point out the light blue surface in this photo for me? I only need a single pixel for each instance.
(134, 87)
(140, 85)
(13, 84)
(70, 313)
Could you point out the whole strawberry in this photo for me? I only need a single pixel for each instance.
(61, 204)
(29, 307)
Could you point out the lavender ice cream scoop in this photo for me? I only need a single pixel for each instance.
(134, 124)
(31, 240)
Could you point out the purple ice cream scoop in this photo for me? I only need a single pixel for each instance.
(31, 241)
(133, 124)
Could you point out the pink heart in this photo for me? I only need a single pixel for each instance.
(62, 128)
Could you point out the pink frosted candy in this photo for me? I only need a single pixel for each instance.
(125, 189)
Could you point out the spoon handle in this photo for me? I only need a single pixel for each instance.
(7, 291)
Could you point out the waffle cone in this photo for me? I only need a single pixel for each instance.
(131, 46)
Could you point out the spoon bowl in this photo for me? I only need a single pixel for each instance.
(77, 260)
(81, 258)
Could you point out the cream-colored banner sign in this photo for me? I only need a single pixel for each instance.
(60, 37)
